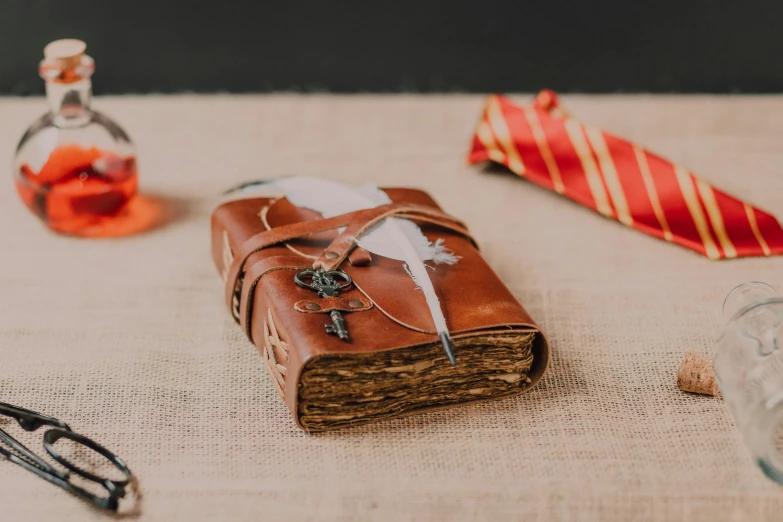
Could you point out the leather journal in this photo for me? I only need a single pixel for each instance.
(391, 363)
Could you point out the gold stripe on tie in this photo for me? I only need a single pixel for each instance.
(716, 218)
(756, 232)
(644, 167)
(543, 148)
(592, 174)
(606, 164)
(498, 124)
(692, 200)
(485, 137)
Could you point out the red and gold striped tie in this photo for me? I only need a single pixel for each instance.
(621, 180)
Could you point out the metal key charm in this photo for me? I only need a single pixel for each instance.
(327, 284)
(338, 325)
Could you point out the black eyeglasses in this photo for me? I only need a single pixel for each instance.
(31, 421)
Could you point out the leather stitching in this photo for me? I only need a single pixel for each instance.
(275, 354)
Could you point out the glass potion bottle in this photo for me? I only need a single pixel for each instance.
(748, 365)
(74, 167)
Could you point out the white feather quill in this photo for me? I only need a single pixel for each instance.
(395, 238)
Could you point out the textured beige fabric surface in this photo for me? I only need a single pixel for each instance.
(128, 340)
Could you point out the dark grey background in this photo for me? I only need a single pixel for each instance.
(145, 46)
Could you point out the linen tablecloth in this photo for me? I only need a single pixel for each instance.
(128, 340)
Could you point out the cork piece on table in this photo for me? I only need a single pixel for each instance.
(696, 375)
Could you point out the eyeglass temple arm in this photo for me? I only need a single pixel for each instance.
(32, 457)
(30, 420)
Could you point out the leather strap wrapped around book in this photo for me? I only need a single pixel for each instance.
(254, 274)
(355, 223)
(336, 252)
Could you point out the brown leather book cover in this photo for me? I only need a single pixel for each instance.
(393, 363)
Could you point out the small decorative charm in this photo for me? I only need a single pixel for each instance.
(338, 325)
(327, 284)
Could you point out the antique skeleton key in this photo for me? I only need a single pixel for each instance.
(327, 284)
(338, 325)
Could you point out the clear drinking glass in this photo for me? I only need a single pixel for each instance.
(748, 366)
(74, 167)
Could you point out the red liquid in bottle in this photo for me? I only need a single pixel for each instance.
(78, 189)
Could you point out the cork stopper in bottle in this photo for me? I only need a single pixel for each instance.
(696, 375)
(65, 61)
(65, 54)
